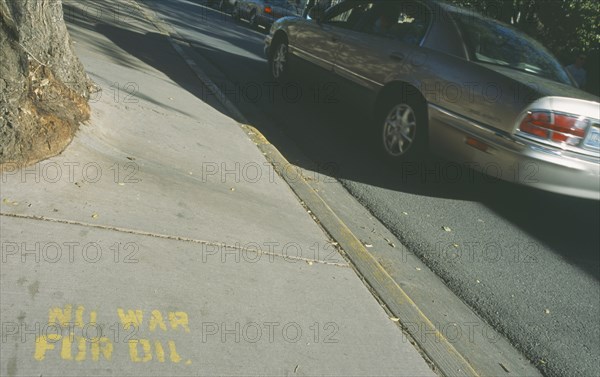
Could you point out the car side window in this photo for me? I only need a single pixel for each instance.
(347, 17)
(405, 21)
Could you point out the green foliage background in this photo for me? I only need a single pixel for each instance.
(565, 27)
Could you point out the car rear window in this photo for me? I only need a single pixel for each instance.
(492, 42)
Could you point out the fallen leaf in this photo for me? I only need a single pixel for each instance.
(389, 242)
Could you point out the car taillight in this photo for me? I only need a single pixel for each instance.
(268, 10)
(551, 126)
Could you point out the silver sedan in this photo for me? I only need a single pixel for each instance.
(440, 78)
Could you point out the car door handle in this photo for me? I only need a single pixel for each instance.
(397, 56)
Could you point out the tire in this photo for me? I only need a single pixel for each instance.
(400, 129)
(279, 64)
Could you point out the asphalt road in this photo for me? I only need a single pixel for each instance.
(525, 260)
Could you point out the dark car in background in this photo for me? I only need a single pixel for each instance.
(440, 78)
(265, 12)
(222, 5)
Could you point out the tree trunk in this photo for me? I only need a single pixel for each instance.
(44, 90)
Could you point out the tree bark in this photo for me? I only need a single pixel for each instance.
(44, 90)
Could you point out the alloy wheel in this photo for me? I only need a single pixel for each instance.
(279, 62)
(399, 130)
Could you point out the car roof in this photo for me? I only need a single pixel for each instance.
(444, 5)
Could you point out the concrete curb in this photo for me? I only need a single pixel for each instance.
(443, 353)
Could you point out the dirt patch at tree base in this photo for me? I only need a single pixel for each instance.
(45, 121)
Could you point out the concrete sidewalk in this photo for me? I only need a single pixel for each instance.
(161, 242)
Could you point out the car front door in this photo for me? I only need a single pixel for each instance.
(318, 42)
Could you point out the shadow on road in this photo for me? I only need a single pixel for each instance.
(333, 139)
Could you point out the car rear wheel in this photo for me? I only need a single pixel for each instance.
(401, 129)
(279, 60)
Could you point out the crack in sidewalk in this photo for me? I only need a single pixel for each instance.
(170, 237)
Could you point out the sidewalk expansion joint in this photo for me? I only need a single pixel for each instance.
(172, 238)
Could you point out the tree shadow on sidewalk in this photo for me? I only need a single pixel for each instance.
(151, 48)
(155, 50)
